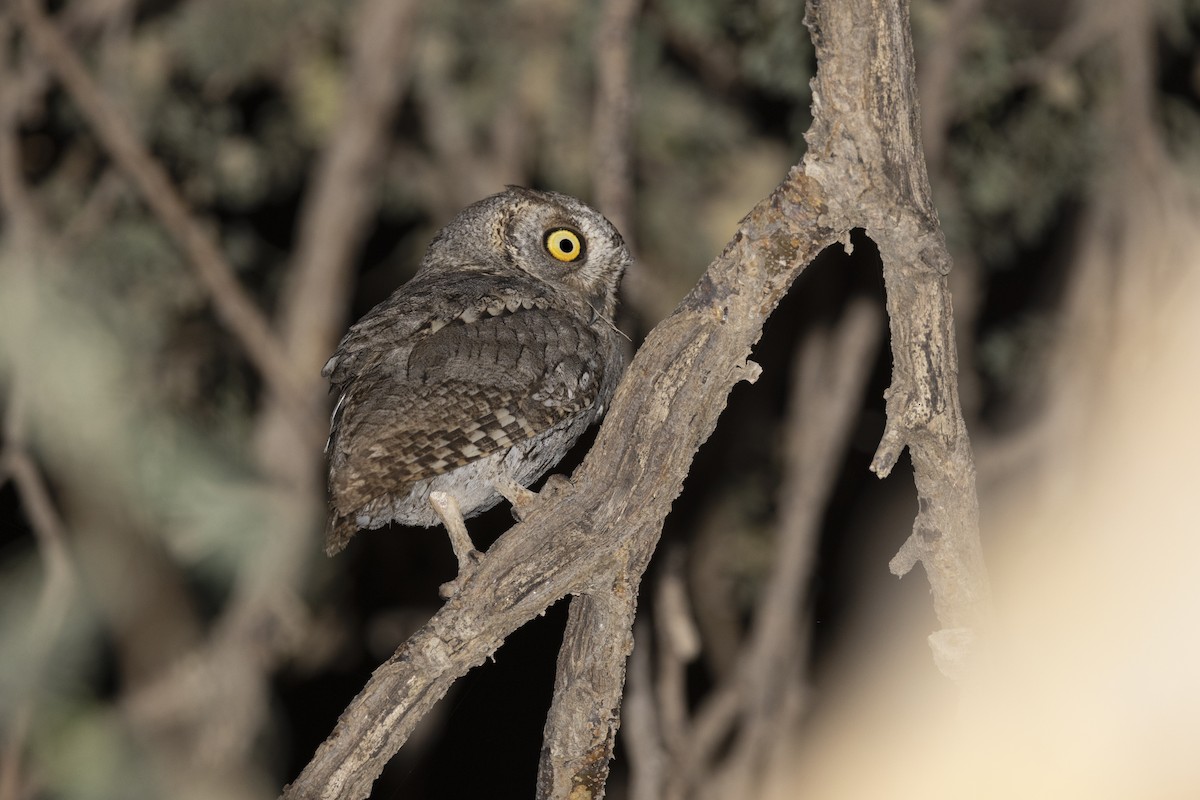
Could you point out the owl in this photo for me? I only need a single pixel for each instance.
(476, 377)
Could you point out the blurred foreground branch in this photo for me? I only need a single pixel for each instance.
(593, 537)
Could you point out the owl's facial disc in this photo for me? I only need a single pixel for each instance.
(565, 243)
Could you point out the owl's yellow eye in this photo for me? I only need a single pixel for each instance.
(564, 244)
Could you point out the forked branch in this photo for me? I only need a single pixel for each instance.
(594, 536)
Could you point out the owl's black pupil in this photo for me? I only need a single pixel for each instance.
(566, 245)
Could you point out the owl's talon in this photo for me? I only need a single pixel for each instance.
(522, 499)
(466, 568)
(555, 484)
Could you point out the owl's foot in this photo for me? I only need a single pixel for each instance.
(451, 588)
(522, 499)
(554, 484)
(446, 507)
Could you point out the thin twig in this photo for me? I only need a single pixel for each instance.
(678, 645)
(612, 137)
(829, 376)
(939, 68)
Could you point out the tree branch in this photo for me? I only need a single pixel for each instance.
(608, 522)
(831, 370)
(865, 149)
(599, 635)
(596, 533)
(234, 306)
(612, 112)
(335, 214)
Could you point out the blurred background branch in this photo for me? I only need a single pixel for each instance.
(234, 307)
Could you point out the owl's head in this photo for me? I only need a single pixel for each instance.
(552, 237)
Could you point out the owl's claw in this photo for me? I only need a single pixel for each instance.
(554, 484)
(466, 568)
(446, 507)
(522, 499)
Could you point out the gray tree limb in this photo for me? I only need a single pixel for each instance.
(594, 535)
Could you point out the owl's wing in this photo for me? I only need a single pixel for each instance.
(427, 302)
(467, 390)
(387, 325)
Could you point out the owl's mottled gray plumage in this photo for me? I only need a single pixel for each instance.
(492, 360)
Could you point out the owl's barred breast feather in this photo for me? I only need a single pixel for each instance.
(477, 364)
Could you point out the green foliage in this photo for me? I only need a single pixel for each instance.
(1019, 153)
(776, 53)
(134, 277)
(231, 43)
(88, 753)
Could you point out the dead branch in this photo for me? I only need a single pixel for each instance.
(594, 535)
(598, 636)
(678, 645)
(865, 150)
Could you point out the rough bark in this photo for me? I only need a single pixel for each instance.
(594, 535)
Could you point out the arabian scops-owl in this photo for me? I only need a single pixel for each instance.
(476, 376)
